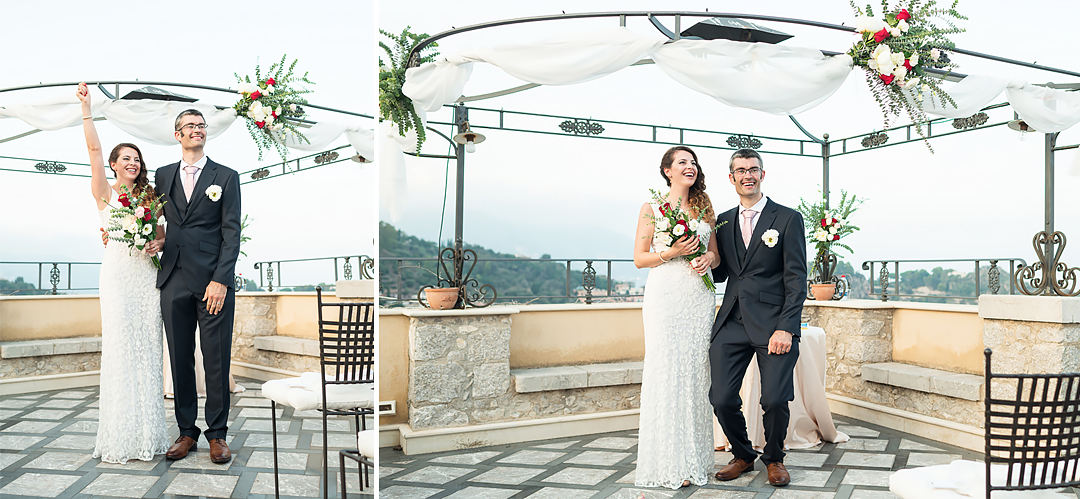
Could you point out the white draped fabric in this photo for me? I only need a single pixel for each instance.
(776, 79)
(152, 121)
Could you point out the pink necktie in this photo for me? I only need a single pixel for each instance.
(189, 181)
(747, 226)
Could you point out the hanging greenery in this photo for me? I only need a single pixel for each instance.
(393, 104)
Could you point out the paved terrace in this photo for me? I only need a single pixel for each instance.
(596, 466)
(46, 439)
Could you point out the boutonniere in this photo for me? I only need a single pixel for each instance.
(770, 237)
(214, 193)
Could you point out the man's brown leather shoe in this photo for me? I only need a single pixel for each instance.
(778, 474)
(733, 469)
(180, 448)
(219, 451)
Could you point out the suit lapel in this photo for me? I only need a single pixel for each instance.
(766, 221)
(175, 191)
(732, 219)
(205, 179)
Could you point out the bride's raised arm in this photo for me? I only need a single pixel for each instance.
(99, 184)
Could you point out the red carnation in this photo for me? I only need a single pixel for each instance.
(836, 237)
(260, 124)
(907, 64)
(880, 36)
(270, 81)
(124, 200)
(255, 95)
(887, 78)
(902, 15)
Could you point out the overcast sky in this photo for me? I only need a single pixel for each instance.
(980, 195)
(328, 211)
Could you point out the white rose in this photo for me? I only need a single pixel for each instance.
(903, 25)
(147, 229)
(694, 226)
(269, 89)
(132, 229)
(820, 235)
(895, 32)
(256, 108)
(292, 107)
(898, 58)
(663, 239)
(832, 229)
(885, 62)
(128, 221)
(770, 237)
(913, 58)
(269, 119)
(247, 88)
(679, 230)
(837, 224)
(900, 72)
(872, 63)
(278, 110)
(139, 212)
(139, 241)
(662, 223)
(214, 192)
(867, 24)
(935, 54)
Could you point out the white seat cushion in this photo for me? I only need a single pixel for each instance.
(367, 443)
(305, 393)
(958, 480)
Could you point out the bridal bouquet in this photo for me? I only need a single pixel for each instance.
(133, 223)
(899, 51)
(269, 101)
(673, 224)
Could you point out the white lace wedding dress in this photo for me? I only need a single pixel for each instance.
(131, 412)
(675, 432)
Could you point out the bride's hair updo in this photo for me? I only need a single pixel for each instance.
(699, 201)
(142, 183)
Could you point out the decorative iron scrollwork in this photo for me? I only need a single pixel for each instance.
(470, 292)
(54, 277)
(50, 167)
(993, 277)
(347, 269)
(588, 281)
(581, 127)
(1042, 277)
(972, 121)
(259, 174)
(326, 157)
(367, 267)
(875, 140)
(743, 142)
(269, 274)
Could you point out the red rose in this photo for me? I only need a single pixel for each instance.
(685, 227)
(887, 78)
(124, 200)
(824, 223)
(834, 221)
(880, 36)
(836, 237)
(664, 209)
(902, 15)
(146, 216)
(270, 81)
(274, 114)
(907, 64)
(260, 124)
(255, 95)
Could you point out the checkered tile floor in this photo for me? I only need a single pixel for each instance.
(596, 466)
(46, 439)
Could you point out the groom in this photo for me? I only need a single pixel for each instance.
(763, 259)
(202, 242)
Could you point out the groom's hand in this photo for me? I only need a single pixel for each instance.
(780, 343)
(215, 298)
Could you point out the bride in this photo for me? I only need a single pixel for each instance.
(675, 441)
(131, 416)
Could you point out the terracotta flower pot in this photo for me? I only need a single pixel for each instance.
(441, 298)
(823, 292)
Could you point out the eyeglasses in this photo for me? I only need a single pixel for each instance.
(742, 172)
(195, 126)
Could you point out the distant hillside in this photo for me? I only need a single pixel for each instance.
(509, 278)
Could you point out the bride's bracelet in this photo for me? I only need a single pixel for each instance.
(661, 255)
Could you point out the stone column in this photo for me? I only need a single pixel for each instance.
(459, 365)
(1032, 334)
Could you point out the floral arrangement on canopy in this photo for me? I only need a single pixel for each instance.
(393, 104)
(826, 227)
(899, 51)
(271, 105)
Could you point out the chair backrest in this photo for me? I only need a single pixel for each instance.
(1033, 428)
(347, 340)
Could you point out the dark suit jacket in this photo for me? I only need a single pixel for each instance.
(768, 284)
(202, 239)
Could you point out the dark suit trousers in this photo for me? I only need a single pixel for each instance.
(182, 309)
(729, 355)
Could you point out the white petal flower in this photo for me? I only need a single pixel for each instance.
(679, 230)
(898, 58)
(895, 32)
(832, 229)
(139, 241)
(770, 237)
(903, 25)
(900, 72)
(663, 224)
(885, 62)
(867, 24)
(935, 54)
(213, 192)
(269, 89)
(139, 212)
(663, 240)
(914, 59)
(694, 226)
(820, 235)
(147, 229)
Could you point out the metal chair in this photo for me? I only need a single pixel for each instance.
(365, 451)
(1035, 433)
(346, 377)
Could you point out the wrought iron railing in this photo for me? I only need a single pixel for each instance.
(345, 267)
(585, 280)
(987, 278)
(55, 277)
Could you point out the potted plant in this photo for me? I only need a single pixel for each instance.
(826, 227)
(434, 297)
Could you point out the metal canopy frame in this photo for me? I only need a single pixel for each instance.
(298, 164)
(1040, 278)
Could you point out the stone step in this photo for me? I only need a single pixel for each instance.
(56, 346)
(925, 379)
(542, 379)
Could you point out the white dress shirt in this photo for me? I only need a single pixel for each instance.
(200, 164)
(758, 208)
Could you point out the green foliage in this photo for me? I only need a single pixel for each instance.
(403, 280)
(393, 104)
(245, 224)
(276, 92)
